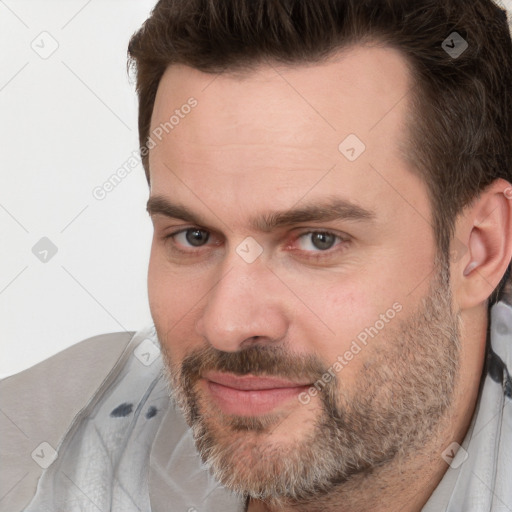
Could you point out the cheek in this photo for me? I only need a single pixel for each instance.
(167, 285)
(326, 315)
(350, 325)
(166, 296)
(158, 299)
(175, 299)
(342, 306)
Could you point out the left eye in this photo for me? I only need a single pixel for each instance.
(192, 237)
(318, 241)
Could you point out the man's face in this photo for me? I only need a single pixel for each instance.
(307, 334)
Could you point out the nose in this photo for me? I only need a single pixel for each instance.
(244, 307)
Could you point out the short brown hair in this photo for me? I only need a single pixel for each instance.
(461, 132)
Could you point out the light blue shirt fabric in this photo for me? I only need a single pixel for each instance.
(130, 450)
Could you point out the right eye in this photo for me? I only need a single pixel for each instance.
(191, 237)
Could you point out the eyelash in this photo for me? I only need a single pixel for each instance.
(340, 243)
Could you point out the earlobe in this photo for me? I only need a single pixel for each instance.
(487, 226)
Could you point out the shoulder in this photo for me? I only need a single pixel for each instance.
(76, 371)
(38, 405)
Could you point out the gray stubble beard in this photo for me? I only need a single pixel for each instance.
(405, 390)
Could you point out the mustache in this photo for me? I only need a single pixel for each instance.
(257, 360)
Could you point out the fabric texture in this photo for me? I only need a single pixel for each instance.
(38, 405)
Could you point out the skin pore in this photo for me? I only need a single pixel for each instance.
(336, 244)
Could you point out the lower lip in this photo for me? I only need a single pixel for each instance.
(253, 402)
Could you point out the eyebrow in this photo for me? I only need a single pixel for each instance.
(327, 210)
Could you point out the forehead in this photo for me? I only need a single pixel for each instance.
(274, 133)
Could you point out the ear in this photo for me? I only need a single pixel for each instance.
(484, 232)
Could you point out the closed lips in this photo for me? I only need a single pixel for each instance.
(250, 382)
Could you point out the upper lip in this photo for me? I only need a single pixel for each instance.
(251, 382)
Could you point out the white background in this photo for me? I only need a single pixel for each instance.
(68, 122)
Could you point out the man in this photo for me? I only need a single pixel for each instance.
(330, 188)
